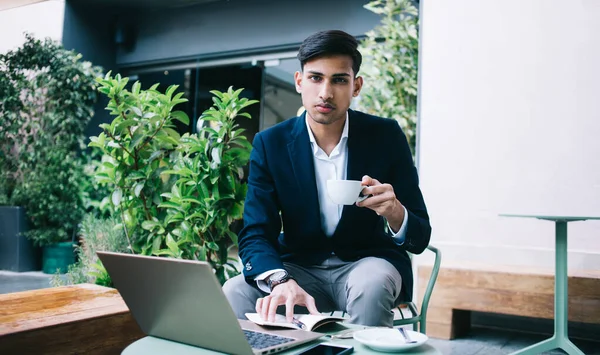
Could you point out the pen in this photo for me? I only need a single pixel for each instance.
(298, 323)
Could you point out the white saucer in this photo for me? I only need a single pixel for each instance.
(388, 339)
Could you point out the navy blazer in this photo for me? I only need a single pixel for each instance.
(282, 188)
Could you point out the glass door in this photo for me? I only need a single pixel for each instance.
(280, 99)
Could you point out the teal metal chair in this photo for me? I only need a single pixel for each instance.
(418, 320)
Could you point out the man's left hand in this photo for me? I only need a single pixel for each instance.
(383, 201)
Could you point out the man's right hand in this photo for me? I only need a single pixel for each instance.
(289, 294)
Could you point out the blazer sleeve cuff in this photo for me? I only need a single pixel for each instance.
(261, 280)
(400, 236)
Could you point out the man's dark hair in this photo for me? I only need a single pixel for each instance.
(328, 43)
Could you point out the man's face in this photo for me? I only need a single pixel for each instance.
(327, 86)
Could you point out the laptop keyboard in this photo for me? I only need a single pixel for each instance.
(260, 340)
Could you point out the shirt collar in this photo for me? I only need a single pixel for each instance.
(311, 136)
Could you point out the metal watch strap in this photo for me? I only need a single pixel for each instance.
(272, 284)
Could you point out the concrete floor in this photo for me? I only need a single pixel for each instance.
(480, 341)
(23, 281)
(489, 341)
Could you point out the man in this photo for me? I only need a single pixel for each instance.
(329, 257)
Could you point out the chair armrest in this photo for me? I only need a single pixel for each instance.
(432, 279)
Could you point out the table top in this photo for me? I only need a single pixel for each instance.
(35, 309)
(551, 218)
(151, 345)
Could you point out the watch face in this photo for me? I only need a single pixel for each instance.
(279, 275)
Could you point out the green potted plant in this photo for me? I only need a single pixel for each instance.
(96, 233)
(46, 101)
(176, 195)
(52, 198)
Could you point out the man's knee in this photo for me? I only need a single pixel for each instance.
(237, 287)
(374, 287)
(241, 296)
(374, 281)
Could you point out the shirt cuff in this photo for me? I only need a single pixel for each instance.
(400, 236)
(261, 280)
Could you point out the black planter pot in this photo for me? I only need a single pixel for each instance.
(17, 253)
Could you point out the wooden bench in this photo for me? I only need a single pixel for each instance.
(80, 319)
(504, 290)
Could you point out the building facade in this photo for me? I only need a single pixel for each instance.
(205, 45)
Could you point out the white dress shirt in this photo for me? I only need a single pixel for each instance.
(331, 167)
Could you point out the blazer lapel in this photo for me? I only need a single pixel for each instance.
(357, 151)
(301, 157)
(357, 160)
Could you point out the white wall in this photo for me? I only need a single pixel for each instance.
(510, 123)
(43, 19)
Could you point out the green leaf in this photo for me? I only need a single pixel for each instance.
(213, 246)
(216, 155)
(138, 189)
(185, 172)
(181, 117)
(116, 197)
(191, 200)
(163, 138)
(173, 133)
(155, 155)
(216, 195)
(137, 111)
(169, 204)
(175, 218)
(211, 115)
(240, 153)
(108, 165)
(113, 144)
(170, 90)
(217, 93)
(127, 123)
(138, 136)
(237, 92)
(136, 175)
(156, 244)
(204, 188)
(175, 191)
(218, 103)
(249, 102)
(149, 225)
(233, 237)
(172, 245)
(237, 211)
(202, 254)
(135, 89)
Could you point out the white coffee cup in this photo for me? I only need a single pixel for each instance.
(345, 192)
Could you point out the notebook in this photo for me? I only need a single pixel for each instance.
(300, 321)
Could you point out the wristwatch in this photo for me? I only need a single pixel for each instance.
(277, 278)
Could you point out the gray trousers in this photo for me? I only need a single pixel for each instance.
(367, 289)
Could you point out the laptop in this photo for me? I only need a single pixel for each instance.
(182, 301)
